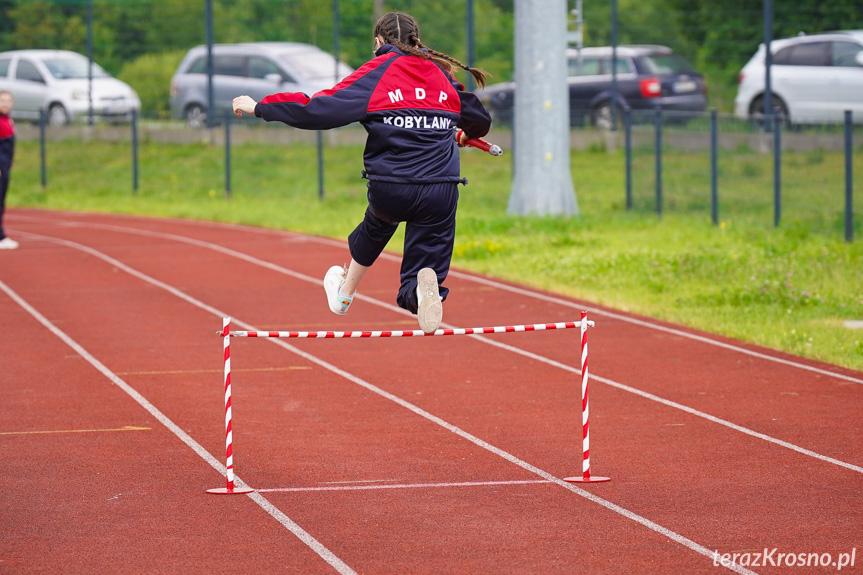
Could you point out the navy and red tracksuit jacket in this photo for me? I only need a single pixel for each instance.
(7, 144)
(408, 105)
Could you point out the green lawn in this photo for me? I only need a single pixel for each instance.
(790, 288)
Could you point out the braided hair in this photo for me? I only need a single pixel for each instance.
(403, 32)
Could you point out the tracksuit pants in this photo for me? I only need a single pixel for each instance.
(4, 185)
(428, 211)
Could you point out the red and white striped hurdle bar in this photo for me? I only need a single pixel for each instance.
(411, 332)
(226, 334)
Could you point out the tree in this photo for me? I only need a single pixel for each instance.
(728, 34)
(40, 24)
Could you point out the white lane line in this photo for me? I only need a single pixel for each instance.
(493, 342)
(454, 273)
(601, 312)
(286, 521)
(359, 481)
(403, 486)
(657, 327)
(676, 537)
(680, 406)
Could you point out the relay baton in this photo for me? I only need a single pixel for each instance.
(479, 143)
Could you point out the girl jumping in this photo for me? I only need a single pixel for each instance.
(409, 103)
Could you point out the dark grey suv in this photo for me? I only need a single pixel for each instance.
(647, 76)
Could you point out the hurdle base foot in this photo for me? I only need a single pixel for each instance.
(591, 479)
(234, 491)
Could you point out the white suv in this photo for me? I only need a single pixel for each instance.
(814, 79)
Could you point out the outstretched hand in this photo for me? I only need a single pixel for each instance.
(244, 104)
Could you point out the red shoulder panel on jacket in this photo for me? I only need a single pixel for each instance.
(412, 82)
(7, 127)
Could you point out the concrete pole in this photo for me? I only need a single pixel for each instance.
(542, 184)
(377, 10)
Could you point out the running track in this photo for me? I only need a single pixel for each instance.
(411, 455)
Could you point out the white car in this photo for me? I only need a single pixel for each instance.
(57, 81)
(814, 79)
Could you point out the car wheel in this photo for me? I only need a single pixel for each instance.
(756, 112)
(196, 117)
(601, 116)
(57, 116)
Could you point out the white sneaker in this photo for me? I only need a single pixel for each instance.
(333, 282)
(429, 306)
(8, 244)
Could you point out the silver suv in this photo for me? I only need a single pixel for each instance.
(257, 69)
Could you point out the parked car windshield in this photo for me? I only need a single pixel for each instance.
(667, 64)
(316, 65)
(70, 68)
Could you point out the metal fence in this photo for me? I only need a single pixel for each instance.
(710, 164)
(719, 165)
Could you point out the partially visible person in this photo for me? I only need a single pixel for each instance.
(7, 151)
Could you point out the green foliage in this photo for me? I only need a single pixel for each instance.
(40, 24)
(728, 34)
(122, 31)
(639, 22)
(7, 25)
(150, 76)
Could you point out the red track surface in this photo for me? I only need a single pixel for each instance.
(409, 455)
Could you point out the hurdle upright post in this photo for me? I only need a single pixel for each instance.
(229, 465)
(586, 477)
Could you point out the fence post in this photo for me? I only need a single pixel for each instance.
(777, 168)
(768, 61)
(320, 165)
(714, 167)
(42, 147)
(471, 44)
(89, 19)
(337, 15)
(849, 180)
(134, 151)
(228, 154)
(627, 136)
(614, 86)
(208, 34)
(658, 129)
